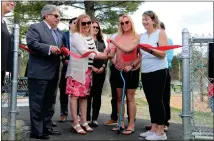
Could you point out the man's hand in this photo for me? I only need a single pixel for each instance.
(55, 50)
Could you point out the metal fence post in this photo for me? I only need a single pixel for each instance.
(13, 102)
(186, 105)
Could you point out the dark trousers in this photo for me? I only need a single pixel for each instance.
(153, 86)
(166, 98)
(2, 78)
(94, 99)
(63, 96)
(114, 115)
(41, 99)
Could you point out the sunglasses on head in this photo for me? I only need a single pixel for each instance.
(55, 15)
(96, 27)
(126, 22)
(84, 23)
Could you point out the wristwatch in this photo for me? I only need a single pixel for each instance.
(151, 51)
(132, 65)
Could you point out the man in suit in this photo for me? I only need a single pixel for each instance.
(6, 46)
(62, 85)
(45, 40)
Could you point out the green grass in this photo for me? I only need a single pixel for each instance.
(19, 124)
(201, 118)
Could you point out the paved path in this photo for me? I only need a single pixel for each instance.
(102, 132)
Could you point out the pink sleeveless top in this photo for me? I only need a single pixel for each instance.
(124, 59)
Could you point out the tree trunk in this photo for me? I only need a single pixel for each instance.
(89, 9)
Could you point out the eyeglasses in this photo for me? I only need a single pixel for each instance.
(84, 23)
(96, 27)
(126, 22)
(55, 15)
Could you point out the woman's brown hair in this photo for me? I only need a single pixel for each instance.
(99, 34)
(154, 18)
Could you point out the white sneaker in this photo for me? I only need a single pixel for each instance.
(145, 134)
(155, 137)
(95, 122)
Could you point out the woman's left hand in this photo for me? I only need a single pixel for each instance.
(100, 70)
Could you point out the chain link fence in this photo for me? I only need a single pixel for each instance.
(5, 106)
(201, 114)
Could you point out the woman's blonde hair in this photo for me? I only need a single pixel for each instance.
(154, 18)
(120, 29)
(78, 26)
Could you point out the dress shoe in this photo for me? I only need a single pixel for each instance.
(44, 137)
(52, 132)
(54, 124)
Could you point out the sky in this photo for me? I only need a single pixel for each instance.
(197, 17)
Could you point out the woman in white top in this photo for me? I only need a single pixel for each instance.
(79, 72)
(153, 73)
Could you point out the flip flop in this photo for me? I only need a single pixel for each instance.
(132, 131)
(116, 128)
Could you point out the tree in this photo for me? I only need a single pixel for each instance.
(176, 68)
(28, 12)
(104, 11)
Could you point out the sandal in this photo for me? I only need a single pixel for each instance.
(129, 132)
(80, 131)
(86, 127)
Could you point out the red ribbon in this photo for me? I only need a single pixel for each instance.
(64, 51)
(162, 48)
(25, 48)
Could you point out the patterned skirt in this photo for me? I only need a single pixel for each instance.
(78, 89)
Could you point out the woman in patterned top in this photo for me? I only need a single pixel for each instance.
(79, 72)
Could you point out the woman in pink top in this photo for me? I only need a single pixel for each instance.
(130, 64)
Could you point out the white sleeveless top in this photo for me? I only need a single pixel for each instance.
(151, 63)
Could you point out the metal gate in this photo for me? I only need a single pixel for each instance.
(197, 115)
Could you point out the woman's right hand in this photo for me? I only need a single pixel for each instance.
(94, 69)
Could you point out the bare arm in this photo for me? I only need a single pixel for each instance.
(128, 47)
(162, 42)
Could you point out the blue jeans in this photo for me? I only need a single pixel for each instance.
(211, 99)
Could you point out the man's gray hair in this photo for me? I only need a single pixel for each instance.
(48, 9)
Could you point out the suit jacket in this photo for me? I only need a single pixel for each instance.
(6, 49)
(67, 39)
(41, 65)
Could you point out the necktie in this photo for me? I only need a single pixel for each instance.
(55, 36)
